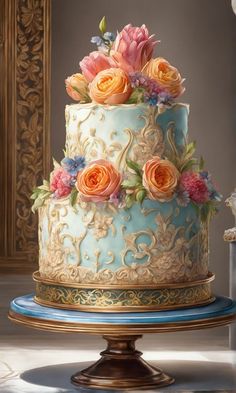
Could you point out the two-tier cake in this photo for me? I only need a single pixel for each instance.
(123, 221)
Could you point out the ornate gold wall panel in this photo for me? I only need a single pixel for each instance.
(25, 121)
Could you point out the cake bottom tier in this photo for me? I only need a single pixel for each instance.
(128, 298)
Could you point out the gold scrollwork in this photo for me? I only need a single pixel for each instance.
(97, 298)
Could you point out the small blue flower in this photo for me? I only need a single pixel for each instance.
(73, 165)
(205, 175)
(109, 36)
(97, 40)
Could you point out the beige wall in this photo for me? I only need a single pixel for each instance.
(199, 37)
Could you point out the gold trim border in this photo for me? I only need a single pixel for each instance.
(130, 329)
(111, 309)
(123, 299)
(210, 277)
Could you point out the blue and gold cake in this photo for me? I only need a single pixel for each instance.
(123, 221)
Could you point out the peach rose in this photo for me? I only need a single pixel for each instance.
(77, 87)
(160, 178)
(167, 76)
(111, 87)
(98, 181)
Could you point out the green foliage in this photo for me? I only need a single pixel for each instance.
(103, 25)
(136, 96)
(132, 182)
(40, 194)
(201, 164)
(73, 196)
(83, 94)
(135, 192)
(183, 158)
(135, 167)
(140, 195)
(55, 163)
(129, 200)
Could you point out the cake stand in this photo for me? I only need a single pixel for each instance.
(121, 366)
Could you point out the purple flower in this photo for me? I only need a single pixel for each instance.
(73, 165)
(115, 198)
(153, 93)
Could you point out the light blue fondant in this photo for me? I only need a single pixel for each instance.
(107, 132)
(125, 222)
(221, 307)
(82, 118)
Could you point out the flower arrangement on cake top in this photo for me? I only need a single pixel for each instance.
(123, 71)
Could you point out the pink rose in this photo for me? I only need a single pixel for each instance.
(195, 186)
(94, 63)
(133, 48)
(98, 181)
(60, 183)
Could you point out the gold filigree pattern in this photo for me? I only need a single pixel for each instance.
(148, 257)
(139, 145)
(60, 295)
(149, 142)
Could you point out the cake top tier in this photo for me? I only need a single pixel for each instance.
(126, 139)
(124, 69)
(118, 133)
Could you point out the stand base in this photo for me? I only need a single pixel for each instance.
(121, 367)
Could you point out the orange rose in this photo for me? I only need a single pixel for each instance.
(98, 181)
(77, 87)
(111, 87)
(160, 178)
(167, 76)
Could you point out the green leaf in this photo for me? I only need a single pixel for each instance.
(136, 96)
(133, 182)
(201, 164)
(129, 200)
(55, 163)
(73, 196)
(38, 203)
(103, 25)
(140, 195)
(189, 164)
(39, 196)
(44, 187)
(134, 166)
(191, 147)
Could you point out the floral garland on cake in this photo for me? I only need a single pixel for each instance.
(122, 70)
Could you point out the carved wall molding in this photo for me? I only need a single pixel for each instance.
(25, 106)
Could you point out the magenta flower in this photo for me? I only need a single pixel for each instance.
(195, 186)
(133, 48)
(60, 183)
